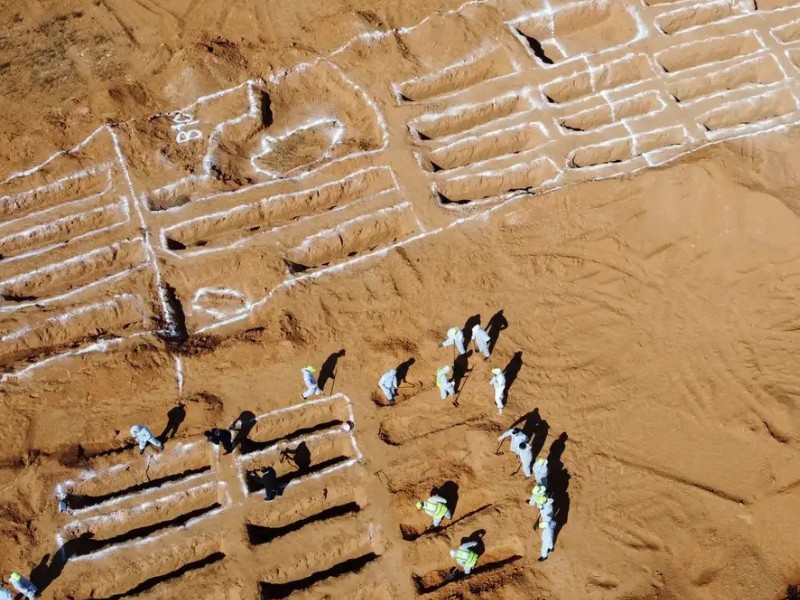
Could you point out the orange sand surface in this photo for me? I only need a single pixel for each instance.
(611, 188)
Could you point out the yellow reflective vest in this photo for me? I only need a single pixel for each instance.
(466, 557)
(434, 509)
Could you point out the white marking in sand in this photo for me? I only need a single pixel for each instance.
(479, 54)
(126, 497)
(179, 372)
(222, 293)
(268, 143)
(123, 515)
(38, 215)
(162, 292)
(706, 43)
(341, 227)
(150, 539)
(113, 278)
(81, 310)
(57, 245)
(56, 226)
(273, 200)
(42, 165)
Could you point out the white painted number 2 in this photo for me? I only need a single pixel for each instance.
(183, 135)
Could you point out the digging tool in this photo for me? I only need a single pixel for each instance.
(498, 452)
(451, 574)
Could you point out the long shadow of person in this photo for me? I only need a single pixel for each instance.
(328, 369)
(511, 372)
(460, 370)
(220, 436)
(449, 491)
(299, 456)
(175, 416)
(558, 481)
(402, 370)
(243, 425)
(476, 536)
(471, 322)
(47, 571)
(496, 324)
(536, 428)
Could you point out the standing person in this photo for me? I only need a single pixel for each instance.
(62, 496)
(272, 487)
(23, 586)
(539, 497)
(5, 594)
(482, 341)
(465, 556)
(455, 336)
(312, 389)
(498, 382)
(144, 436)
(547, 528)
(446, 385)
(525, 454)
(540, 471)
(517, 437)
(388, 385)
(436, 508)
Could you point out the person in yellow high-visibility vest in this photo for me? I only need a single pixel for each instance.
(436, 508)
(24, 586)
(465, 556)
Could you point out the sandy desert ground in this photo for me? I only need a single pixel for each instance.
(197, 199)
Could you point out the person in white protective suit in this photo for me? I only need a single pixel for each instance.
(547, 528)
(517, 437)
(539, 497)
(465, 556)
(481, 339)
(312, 389)
(23, 585)
(144, 436)
(498, 382)
(388, 385)
(436, 508)
(525, 453)
(455, 336)
(447, 386)
(540, 471)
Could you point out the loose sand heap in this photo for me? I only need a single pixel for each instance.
(199, 199)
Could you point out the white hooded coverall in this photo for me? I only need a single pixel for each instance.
(455, 336)
(24, 586)
(540, 471)
(482, 340)
(144, 436)
(547, 528)
(498, 382)
(432, 507)
(312, 389)
(388, 384)
(445, 385)
(526, 458)
(517, 437)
